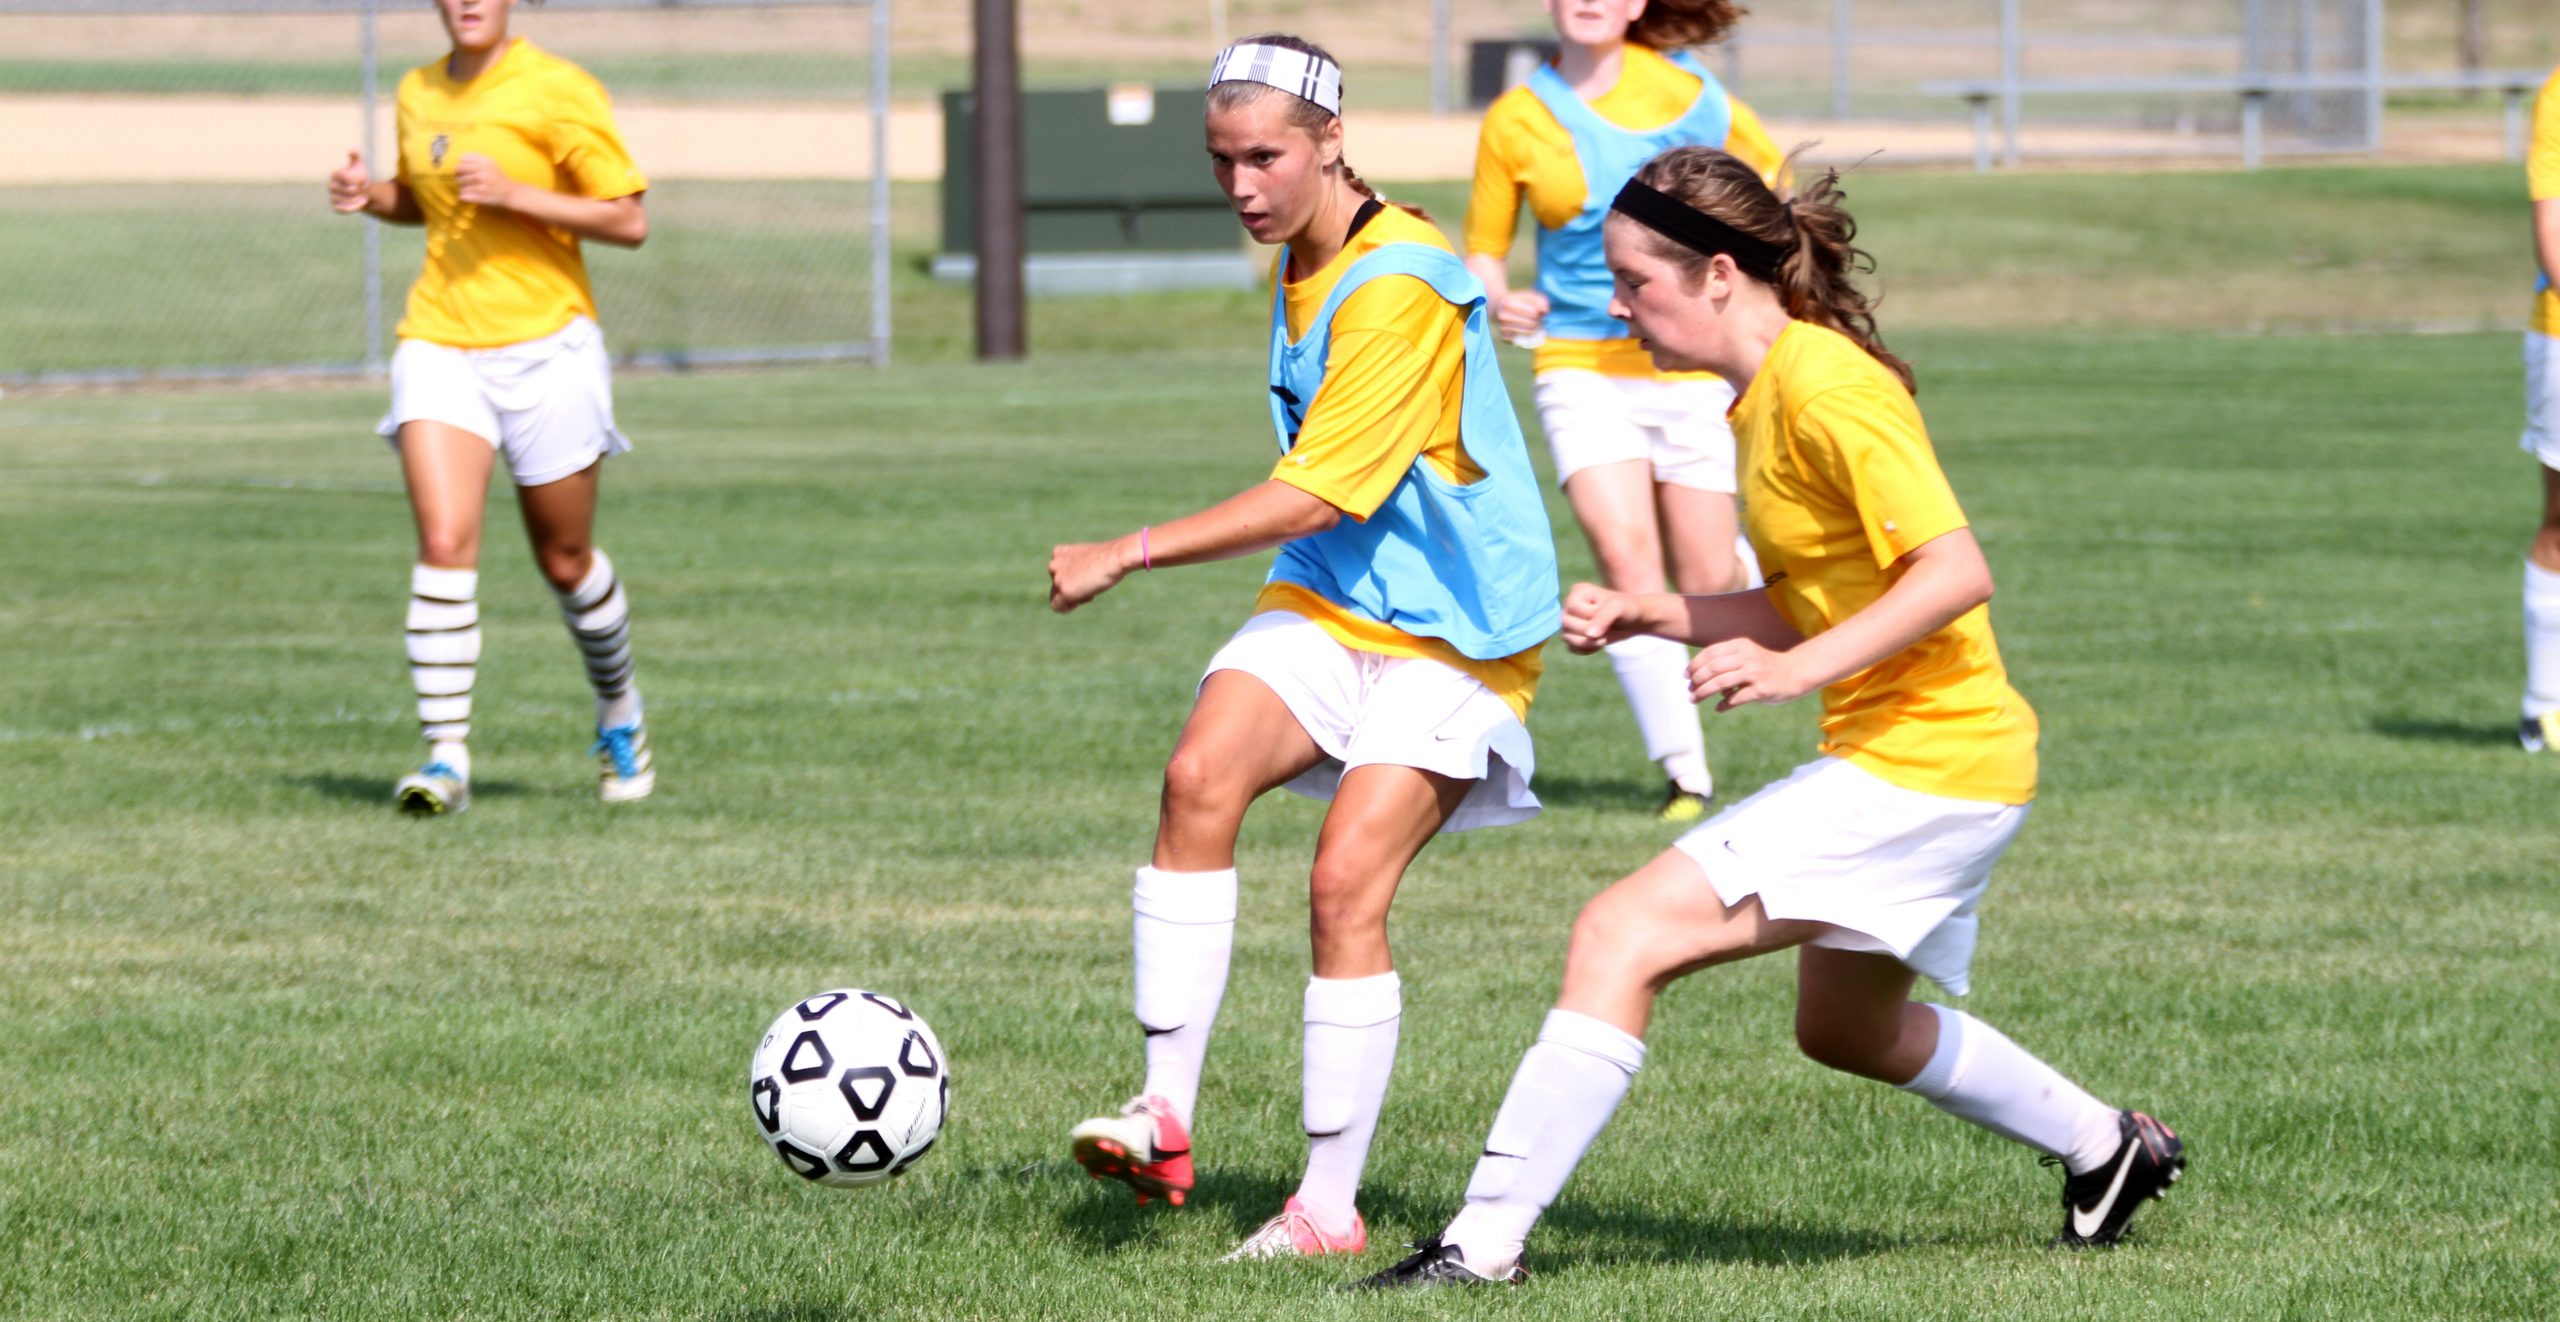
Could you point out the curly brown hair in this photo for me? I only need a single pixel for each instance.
(1816, 232)
(1679, 24)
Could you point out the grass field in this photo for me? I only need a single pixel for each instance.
(272, 1049)
(104, 276)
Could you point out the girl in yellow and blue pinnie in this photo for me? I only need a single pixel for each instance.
(1642, 453)
(1389, 660)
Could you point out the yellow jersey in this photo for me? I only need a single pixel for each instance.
(493, 277)
(1838, 482)
(1523, 153)
(2542, 181)
(1394, 380)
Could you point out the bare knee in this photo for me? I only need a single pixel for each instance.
(565, 565)
(1196, 790)
(449, 548)
(1617, 943)
(1345, 904)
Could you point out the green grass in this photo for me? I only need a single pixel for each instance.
(273, 1049)
(95, 277)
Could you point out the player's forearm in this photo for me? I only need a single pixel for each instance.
(1491, 270)
(1940, 582)
(620, 220)
(391, 201)
(2546, 238)
(1256, 519)
(1712, 618)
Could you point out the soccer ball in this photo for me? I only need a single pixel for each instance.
(850, 1087)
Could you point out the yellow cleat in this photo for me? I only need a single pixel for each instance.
(1681, 807)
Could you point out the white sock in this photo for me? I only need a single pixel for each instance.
(2541, 640)
(1185, 933)
(1568, 1086)
(1978, 1074)
(444, 657)
(599, 617)
(1654, 673)
(1351, 1049)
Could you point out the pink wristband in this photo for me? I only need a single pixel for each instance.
(1145, 561)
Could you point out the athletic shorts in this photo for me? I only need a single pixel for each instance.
(1892, 870)
(2542, 398)
(1365, 708)
(1680, 426)
(546, 404)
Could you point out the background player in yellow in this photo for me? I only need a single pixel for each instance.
(509, 157)
(2541, 725)
(1644, 455)
(1872, 857)
(1389, 659)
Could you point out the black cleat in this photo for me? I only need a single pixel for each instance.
(1433, 1263)
(2097, 1206)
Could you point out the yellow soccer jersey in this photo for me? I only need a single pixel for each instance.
(1838, 482)
(1394, 380)
(2542, 181)
(493, 277)
(1524, 152)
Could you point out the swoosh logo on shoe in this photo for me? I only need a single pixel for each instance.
(2085, 1224)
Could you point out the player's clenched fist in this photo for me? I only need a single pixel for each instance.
(1595, 617)
(1082, 571)
(350, 188)
(479, 181)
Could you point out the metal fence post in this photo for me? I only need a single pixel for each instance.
(372, 89)
(2373, 75)
(1440, 38)
(880, 263)
(1842, 31)
(2010, 41)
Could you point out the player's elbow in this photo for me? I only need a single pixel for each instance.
(635, 229)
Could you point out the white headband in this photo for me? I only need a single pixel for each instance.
(1306, 76)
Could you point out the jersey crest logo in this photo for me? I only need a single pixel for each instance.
(435, 149)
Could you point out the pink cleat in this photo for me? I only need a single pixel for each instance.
(1295, 1234)
(1144, 1147)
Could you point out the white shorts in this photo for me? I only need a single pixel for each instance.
(1593, 419)
(546, 404)
(1364, 708)
(2542, 398)
(1892, 870)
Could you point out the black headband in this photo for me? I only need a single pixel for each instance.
(1691, 228)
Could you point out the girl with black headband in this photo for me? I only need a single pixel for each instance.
(1388, 662)
(1870, 859)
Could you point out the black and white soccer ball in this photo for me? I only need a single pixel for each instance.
(850, 1087)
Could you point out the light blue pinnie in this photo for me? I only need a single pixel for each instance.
(1473, 565)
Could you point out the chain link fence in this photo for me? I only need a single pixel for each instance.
(163, 208)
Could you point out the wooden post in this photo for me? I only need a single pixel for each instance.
(997, 70)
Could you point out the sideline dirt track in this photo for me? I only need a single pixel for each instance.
(166, 139)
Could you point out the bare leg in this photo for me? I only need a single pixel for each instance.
(447, 471)
(1240, 743)
(1381, 818)
(560, 520)
(1698, 528)
(1615, 505)
(2545, 549)
(1659, 924)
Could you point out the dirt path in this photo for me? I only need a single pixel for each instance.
(107, 139)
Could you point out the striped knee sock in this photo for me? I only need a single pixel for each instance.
(599, 617)
(444, 657)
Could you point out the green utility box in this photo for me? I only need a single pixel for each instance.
(1117, 194)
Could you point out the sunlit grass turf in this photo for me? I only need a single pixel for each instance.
(274, 1049)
